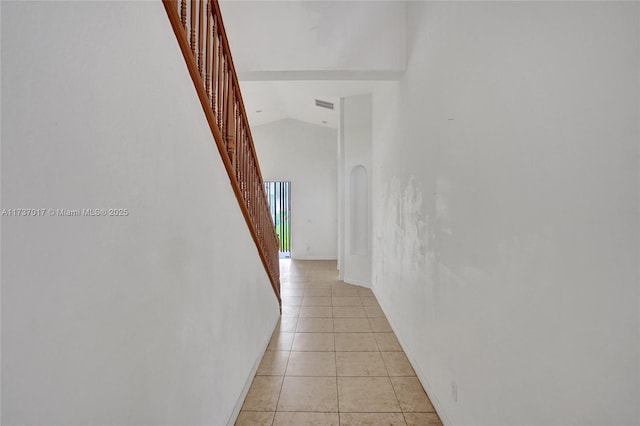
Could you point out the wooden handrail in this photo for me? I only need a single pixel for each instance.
(203, 41)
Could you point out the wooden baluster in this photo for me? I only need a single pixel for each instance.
(249, 184)
(262, 208)
(225, 99)
(239, 142)
(240, 154)
(238, 128)
(246, 168)
(257, 201)
(234, 111)
(260, 226)
(201, 34)
(257, 204)
(214, 72)
(192, 27)
(238, 149)
(254, 202)
(244, 172)
(245, 139)
(252, 189)
(222, 94)
(207, 65)
(183, 14)
(220, 84)
(236, 169)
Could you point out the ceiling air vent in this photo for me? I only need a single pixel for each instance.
(324, 104)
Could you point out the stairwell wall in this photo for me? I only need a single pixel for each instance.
(154, 317)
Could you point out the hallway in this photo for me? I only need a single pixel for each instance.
(333, 359)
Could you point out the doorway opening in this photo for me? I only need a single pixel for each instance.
(279, 198)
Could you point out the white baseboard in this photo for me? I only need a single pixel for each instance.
(236, 410)
(356, 282)
(419, 373)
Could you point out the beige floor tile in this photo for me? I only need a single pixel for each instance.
(422, 419)
(351, 325)
(360, 364)
(292, 301)
(348, 312)
(316, 312)
(280, 342)
(411, 395)
(344, 292)
(306, 419)
(290, 311)
(387, 342)
(294, 291)
(397, 364)
(342, 284)
(322, 315)
(372, 419)
(374, 311)
(274, 363)
(293, 283)
(313, 342)
(318, 292)
(366, 292)
(295, 274)
(254, 418)
(320, 275)
(355, 342)
(316, 301)
(263, 394)
(366, 395)
(319, 284)
(287, 324)
(315, 325)
(369, 301)
(380, 325)
(292, 273)
(347, 301)
(311, 364)
(308, 394)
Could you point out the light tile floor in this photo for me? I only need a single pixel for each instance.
(333, 359)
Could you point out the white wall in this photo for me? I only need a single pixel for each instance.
(356, 152)
(153, 318)
(305, 155)
(506, 210)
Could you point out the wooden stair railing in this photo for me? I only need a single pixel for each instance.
(203, 42)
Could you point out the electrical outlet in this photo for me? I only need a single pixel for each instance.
(454, 391)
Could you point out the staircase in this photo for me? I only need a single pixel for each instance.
(200, 32)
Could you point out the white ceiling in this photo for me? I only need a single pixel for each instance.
(275, 36)
(296, 99)
(289, 53)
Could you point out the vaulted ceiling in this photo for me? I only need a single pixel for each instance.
(290, 53)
